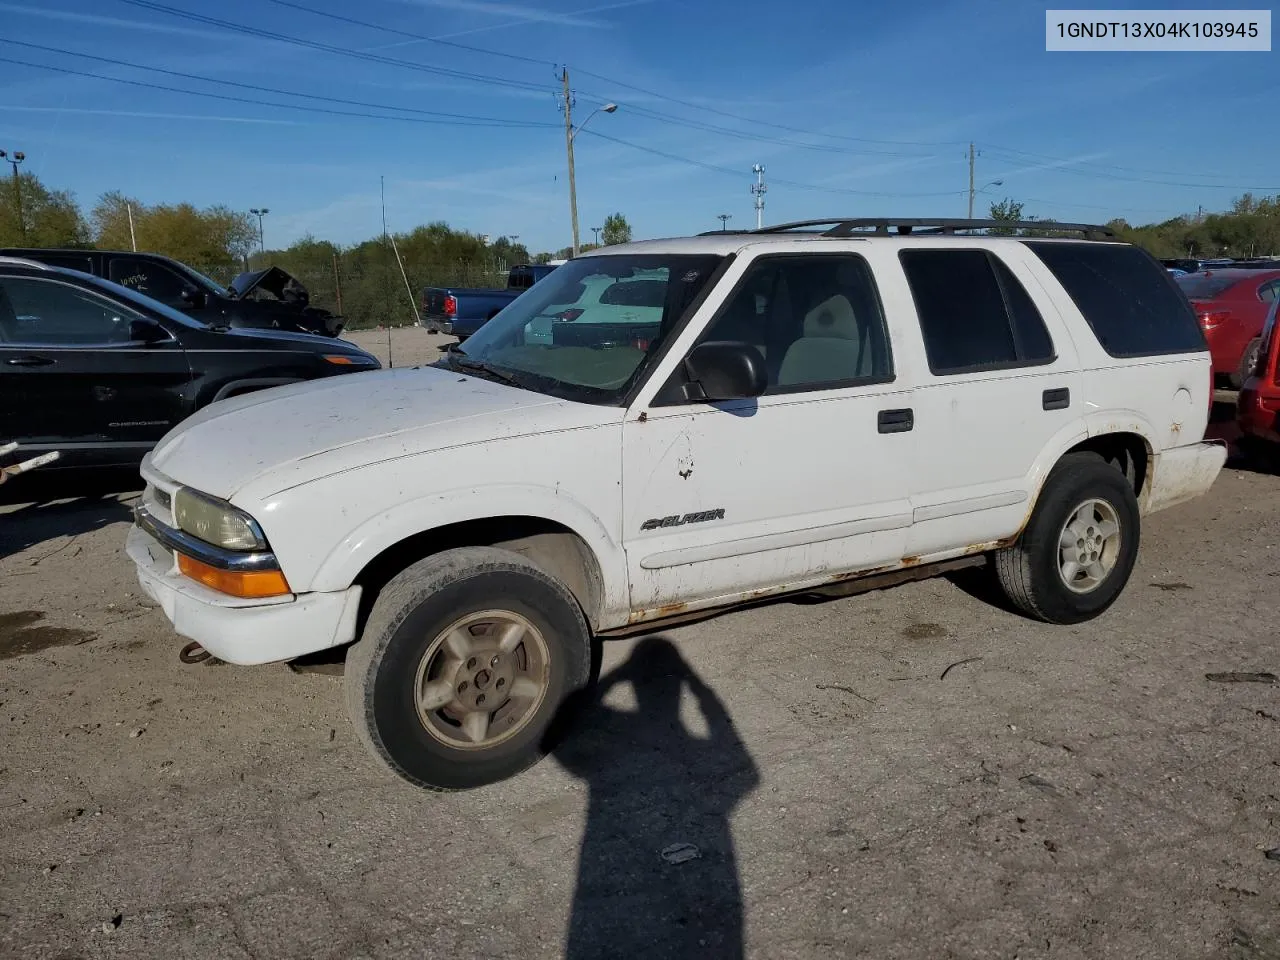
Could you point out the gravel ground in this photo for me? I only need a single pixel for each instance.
(1063, 792)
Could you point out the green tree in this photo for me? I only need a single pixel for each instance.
(616, 230)
(49, 218)
(1006, 211)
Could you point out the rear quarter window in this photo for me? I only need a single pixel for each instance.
(1128, 300)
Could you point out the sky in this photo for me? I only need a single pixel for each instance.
(854, 107)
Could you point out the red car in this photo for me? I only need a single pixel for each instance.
(1258, 406)
(1232, 306)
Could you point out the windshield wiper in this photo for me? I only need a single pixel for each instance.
(460, 361)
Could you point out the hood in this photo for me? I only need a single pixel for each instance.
(279, 438)
(245, 337)
(273, 280)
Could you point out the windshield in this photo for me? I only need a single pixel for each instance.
(204, 281)
(1205, 286)
(584, 331)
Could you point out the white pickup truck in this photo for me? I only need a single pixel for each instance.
(813, 408)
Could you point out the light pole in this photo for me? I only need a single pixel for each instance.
(570, 132)
(724, 219)
(596, 231)
(982, 189)
(260, 212)
(16, 158)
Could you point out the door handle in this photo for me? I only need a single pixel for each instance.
(895, 421)
(1058, 399)
(29, 361)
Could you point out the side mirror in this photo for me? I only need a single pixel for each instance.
(725, 370)
(144, 331)
(191, 297)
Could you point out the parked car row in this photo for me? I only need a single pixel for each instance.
(1231, 304)
(100, 372)
(258, 299)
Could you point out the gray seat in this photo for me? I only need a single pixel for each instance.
(830, 347)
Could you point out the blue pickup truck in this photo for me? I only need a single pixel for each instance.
(462, 312)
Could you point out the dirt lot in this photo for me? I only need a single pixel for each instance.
(1061, 792)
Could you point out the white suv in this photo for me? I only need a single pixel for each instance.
(813, 408)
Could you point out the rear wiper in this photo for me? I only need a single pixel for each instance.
(460, 361)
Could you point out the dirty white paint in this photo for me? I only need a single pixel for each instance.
(695, 506)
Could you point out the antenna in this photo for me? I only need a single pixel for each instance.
(759, 189)
(382, 188)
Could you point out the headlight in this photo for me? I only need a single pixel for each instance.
(216, 521)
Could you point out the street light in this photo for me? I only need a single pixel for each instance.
(596, 231)
(260, 212)
(724, 219)
(16, 158)
(570, 133)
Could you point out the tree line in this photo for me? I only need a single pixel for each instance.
(366, 282)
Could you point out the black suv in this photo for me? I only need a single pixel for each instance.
(101, 373)
(269, 298)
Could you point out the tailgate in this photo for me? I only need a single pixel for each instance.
(433, 301)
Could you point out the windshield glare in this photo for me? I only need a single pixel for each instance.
(586, 328)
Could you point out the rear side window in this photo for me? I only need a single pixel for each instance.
(1127, 299)
(69, 262)
(974, 314)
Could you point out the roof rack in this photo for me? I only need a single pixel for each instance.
(884, 226)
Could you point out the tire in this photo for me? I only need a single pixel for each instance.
(410, 644)
(1247, 362)
(1031, 571)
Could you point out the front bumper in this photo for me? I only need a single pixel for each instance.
(1184, 473)
(242, 631)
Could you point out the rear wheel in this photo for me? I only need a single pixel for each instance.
(464, 663)
(1247, 363)
(1078, 550)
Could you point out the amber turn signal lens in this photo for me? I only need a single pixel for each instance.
(249, 584)
(339, 359)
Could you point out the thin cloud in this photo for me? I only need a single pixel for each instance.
(270, 121)
(1054, 164)
(70, 16)
(516, 16)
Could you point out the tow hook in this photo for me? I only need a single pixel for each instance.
(193, 653)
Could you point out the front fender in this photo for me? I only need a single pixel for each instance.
(340, 567)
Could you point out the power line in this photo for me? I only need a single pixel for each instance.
(1081, 168)
(631, 107)
(330, 48)
(409, 34)
(260, 103)
(497, 121)
(736, 173)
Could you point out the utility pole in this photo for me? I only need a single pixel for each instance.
(568, 145)
(758, 190)
(724, 219)
(133, 238)
(16, 158)
(261, 212)
(971, 180)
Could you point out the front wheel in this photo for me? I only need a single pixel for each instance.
(464, 663)
(1078, 550)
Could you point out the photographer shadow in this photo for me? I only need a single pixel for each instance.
(656, 790)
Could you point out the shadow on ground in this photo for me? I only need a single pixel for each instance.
(54, 505)
(657, 873)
